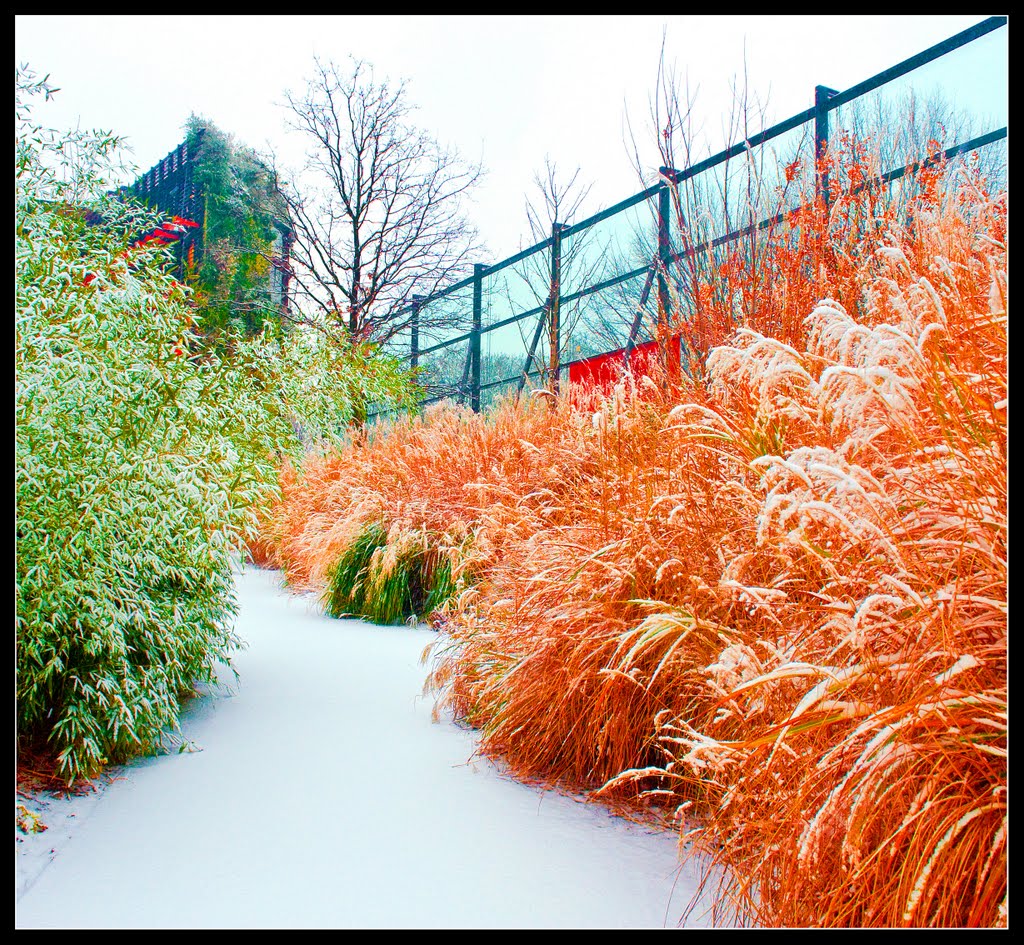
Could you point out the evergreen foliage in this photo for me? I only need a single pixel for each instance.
(244, 216)
(143, 456)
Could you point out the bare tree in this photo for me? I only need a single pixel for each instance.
(553, 199)
(730, 209)
(379, 217)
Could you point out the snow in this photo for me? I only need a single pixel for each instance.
(319, 793)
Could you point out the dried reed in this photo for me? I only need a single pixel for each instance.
(770, 597)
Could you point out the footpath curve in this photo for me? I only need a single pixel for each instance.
(321, 795)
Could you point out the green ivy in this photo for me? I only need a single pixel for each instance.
(243, 215)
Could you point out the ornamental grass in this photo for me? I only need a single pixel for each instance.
(769, 598)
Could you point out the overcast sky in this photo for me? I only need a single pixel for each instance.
(507, 89)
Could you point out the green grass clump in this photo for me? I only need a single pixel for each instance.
(345, 595)
(443, 586)
(389, 579)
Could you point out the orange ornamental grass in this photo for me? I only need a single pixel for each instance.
(771, 598)
(535, 650)
(852, 746)
(793, 587)
(451, 473)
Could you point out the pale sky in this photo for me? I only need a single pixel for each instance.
(507, 89)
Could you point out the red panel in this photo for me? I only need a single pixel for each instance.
(603, 370)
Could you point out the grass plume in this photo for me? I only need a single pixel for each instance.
(770, 596)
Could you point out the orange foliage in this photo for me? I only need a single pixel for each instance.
(770, 597)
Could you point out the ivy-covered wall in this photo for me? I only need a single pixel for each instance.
(236, 256)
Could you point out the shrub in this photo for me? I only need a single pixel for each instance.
(142, 458)
(772, 596)
(390, 577)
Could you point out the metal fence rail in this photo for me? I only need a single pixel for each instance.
(595, 287)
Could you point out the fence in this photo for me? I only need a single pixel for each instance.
(596, 287)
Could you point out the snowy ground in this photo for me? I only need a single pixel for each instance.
(321, 795)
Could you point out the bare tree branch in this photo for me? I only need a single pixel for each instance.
(379, 215)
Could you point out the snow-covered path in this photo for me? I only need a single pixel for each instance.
(324, 796)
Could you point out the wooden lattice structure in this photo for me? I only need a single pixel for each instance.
(170, 186)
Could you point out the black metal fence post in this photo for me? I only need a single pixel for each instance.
(669, 179)
(822, 93)
(414, 332)
(554, 303)
(474, 341)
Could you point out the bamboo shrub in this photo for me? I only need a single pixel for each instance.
(143, 459)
